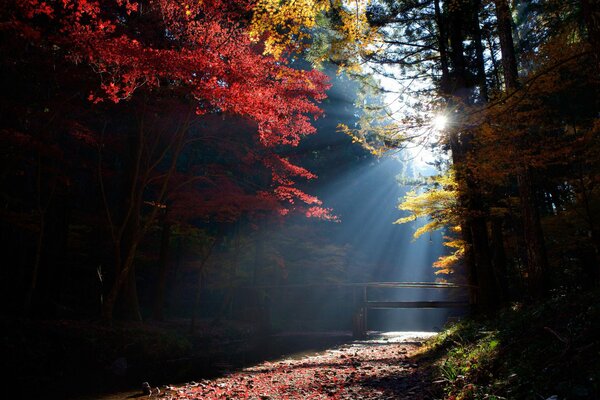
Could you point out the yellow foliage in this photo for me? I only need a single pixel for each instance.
(282, 23)
(286, 24)
(439, 204)
(357, 138)
(445, 264)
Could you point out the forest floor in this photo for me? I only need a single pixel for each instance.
(388, 366)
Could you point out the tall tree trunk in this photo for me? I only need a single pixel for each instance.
(591, 16)
(128, 234)
(494, 253)
(507, 46)
(125, 276)
(488, 295)
(443, 45)
(499, 258)
(198, 296)
(33, 283)
(477, 39)
(54, 253)
(461, 144)
(594, 235)
(537, 261)
(129, 298)
(469, 260)
(163, 263)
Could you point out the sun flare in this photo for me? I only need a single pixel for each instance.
(439, 122)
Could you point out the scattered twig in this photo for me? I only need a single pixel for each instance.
(552, 331)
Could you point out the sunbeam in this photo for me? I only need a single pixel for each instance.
(374, 250)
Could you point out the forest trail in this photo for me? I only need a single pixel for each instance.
(383, 367)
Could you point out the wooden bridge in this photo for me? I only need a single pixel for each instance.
(362, 303)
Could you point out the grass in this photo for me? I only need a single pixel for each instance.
(535, 352)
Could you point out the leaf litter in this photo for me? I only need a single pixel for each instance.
(363, 370)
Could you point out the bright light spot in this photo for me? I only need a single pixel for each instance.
(439, 122)
(399, 337)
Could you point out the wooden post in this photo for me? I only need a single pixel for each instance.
(359, 318)
(365, 310)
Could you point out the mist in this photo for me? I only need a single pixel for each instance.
(301, 265)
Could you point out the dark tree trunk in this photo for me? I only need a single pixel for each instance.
(477, 39)
(475, 235)
(53, 257)
(163, 264)
(495, 68)
(443, 45)
(198, 296)
(130, 306)
(472, 277)
(499, 258)
(537, 261)
(124, 288)
(591, 264)
(507, 46)
(591, 16)
(488, 293)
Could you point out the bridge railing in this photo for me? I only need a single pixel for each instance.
(362, 303)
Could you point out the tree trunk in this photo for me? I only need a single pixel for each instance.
(470, 264)
(125, 275)
(130, 302)
(591, 16)
(198, 296)
(469, 197)
(54, 254)
(31, 292)
(499, 259)
(537, 262)
(163, 263)
(477, 39)
(507, 46)
(443, 45)
(488, 294)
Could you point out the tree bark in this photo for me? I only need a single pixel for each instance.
(443, 45)
(488, 294)
(454, 88)
(499, 258)
(507, 46)
(198, 296)
(163, 266)
(477, 39)
(537, 261)
(475, 230)
(591, 16)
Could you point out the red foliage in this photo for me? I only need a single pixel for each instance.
(199, 51)
(357, 371)
(204, 51)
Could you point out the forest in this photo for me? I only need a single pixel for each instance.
(289, 199)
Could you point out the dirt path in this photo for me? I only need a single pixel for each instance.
(381, 368)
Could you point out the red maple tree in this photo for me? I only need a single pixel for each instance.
(199, 53)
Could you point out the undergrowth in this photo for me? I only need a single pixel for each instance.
(547, 351)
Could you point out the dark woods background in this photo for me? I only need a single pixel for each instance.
(78, 181)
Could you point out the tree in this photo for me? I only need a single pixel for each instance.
(202, 55)
(458, 46)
